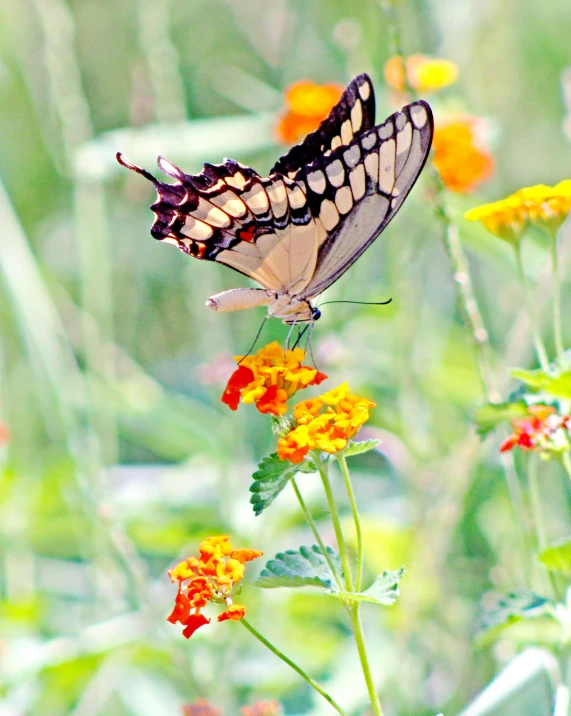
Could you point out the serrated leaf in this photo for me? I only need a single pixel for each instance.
(557, 557)
(511, 608)
(488, 416)
(384, 590)
(558, 384)
(357, 448)
(306, 567)
(270, 479)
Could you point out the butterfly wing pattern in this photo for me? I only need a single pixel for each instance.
(298, 230)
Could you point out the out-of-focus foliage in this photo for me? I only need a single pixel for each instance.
(121, 457)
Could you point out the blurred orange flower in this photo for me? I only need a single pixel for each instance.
(460, 153)
(200, 707)
(269, 378)
(424, 74)
(4, 434)
(308, 104)
(262, 708)
(329, 431)
(542, 430)
(214, 576)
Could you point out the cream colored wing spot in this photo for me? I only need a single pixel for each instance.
(419, 116)
(357, 181)
(404, 139)
(364, 90)
(386, 130)
(230, 203)
(205, 211)
(171, 240)
(346, 132)
(238, 180)
(336, 142)
(296, 197)
(329, 215)
(372, 166)
(344, 200)
(336, 173)
(410, 167)
(400, 120)
(257, 199)
(317, 182)
(357, 116)
(387, 166)
(352, 156)
(369, 140)
(278, 198)
(195, 229)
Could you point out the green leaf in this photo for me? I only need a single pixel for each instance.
(306, 567)
(557, 558)
(384, 590)
(354, 448)
(558, 384)
(270, 479)
(511, 608)
(488, 416)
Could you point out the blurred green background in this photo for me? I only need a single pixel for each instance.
(121, 457)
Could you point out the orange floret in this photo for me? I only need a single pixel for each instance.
(308, 104)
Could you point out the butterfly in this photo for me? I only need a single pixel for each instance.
(296, 231)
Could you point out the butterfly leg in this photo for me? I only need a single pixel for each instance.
(237, 299)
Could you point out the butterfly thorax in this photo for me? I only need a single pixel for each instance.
(290, 309)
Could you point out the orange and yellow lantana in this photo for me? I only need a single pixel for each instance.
(308, 104)
(423, 74)
(540, 205)
(460, 152)
(262, 708)
(212, 577)
(269, 378)
(325, 423)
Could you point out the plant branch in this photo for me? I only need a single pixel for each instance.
(342, 460)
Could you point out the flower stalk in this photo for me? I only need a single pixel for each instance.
(557, 326)
(342, 460)
(314, 685)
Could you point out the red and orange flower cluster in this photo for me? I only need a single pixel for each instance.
(324, 423)
(269, 378)
(543, 430)
(212, 577)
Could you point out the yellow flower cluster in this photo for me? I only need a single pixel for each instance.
(307, 106)
(329, 430)
(269, 378)
(541, 205)
(423, 74)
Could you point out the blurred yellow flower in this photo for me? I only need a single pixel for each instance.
(460, 153)
(424, 74)
(308, 104)
(540, 205)
(329, 431)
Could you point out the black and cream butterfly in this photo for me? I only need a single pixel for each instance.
(298, 230)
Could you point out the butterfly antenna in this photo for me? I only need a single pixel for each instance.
(361, 303)
(255, 339)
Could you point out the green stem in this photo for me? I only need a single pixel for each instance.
(361, 648)
(539, 347)
(566, 463)
(341, 459)
(314, 685)
(539, 522)
(557, 330)
(310, 521)
(323, 472)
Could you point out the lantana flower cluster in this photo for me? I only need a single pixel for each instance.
(542, 430)
(423, 74)
(325, 423)
(540, 205)
(213, 576)
(307, 106)
(269, 378)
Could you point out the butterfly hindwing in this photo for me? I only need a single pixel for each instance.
(351, 116)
